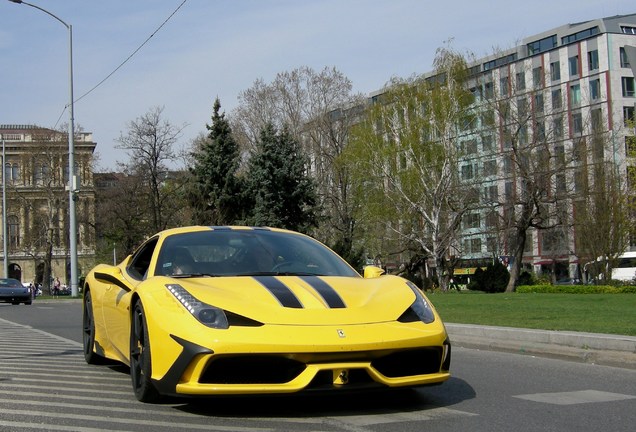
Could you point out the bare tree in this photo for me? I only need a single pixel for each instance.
(150, 142)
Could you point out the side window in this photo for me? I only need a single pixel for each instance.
(140, 262)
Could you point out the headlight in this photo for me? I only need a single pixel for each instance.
(420, 306)
(207, 315)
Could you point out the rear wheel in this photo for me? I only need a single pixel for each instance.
(140, 358)
(88, 325)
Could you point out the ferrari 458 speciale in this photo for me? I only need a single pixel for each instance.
(243, 310)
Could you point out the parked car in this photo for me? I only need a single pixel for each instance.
(12, 291)
(240, 310)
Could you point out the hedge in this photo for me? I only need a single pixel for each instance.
(576, 289)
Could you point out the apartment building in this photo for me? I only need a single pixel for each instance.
(572, 89)
(36, 175)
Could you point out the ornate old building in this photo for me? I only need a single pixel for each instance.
(35, 180)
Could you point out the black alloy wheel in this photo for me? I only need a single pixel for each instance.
(140, 358)
(88, 325)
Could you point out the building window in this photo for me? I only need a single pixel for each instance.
(628, 30)
(13, 228)
(489, 90)
(628, 116)
(580, 181)
(539, 131)
(573, 63)
(592, 60)
(490, 167)
(583, 34)
(575, 95)
(522, 108)
(557, 127)
(542, 45)
(538, 103)
(504, 84)
(521, 81)
(628, 86)
(471, 220)
(508, 191)
(595, 89)
(537, 77)
(487, 143)
(624, 60)
(557, 99)
(469, 147)
(491, 244)
(11, 172)
(560, 184)
(472, 246)
(507, 164)
(492, 218)
(555, 71)
(467, 172)
(491, 193)
(522, 135)
(577, 123)
(597, 120)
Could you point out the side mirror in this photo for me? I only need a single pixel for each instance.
(372, 272)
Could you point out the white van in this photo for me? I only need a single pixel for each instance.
(625, 269)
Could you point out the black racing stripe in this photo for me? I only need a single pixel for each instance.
(326, 291)
(280, 291)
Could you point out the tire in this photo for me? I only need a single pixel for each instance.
(140, 358)
(88, 326)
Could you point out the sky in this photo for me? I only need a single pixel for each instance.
(218, 48)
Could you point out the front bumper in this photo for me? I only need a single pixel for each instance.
(199, 370)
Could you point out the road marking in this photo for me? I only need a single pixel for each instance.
(431, 413)
(45, 379)
(575, 397)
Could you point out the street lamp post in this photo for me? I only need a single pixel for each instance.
(71, 154)
(5, 248)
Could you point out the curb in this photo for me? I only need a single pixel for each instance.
(593, 348)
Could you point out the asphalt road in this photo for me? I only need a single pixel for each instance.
(45, 385)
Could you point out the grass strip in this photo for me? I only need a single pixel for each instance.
(594, 313)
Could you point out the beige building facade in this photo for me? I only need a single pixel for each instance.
(34, 184)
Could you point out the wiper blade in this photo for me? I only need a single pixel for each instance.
(193, 275)
(278, 274)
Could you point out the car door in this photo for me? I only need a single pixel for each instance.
(116, 304)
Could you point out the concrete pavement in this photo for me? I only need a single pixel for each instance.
(602, 349)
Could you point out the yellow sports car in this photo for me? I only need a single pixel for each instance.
(241, 310)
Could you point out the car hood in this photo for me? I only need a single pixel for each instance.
(307, 300)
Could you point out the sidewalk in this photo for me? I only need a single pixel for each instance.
(602, 349)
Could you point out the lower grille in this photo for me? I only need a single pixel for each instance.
(408, 363)
(253, 369)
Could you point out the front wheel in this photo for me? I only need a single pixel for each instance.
(88, 326)
(140, 358)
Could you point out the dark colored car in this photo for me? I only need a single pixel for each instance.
(12, 291)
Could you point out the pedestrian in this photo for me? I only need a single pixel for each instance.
(56, 287)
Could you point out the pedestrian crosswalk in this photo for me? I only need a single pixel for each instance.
(46, 385)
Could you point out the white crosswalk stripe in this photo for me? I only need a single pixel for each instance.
(45, 384)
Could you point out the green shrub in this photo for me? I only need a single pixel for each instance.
(492, 280)
(526, 278)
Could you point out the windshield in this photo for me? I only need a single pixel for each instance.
(231, 252)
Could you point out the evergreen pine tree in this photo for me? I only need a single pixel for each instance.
(282, 193)
(215, 190)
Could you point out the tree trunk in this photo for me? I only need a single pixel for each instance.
(515, 270)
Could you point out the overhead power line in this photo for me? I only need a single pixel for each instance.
(133, 53)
